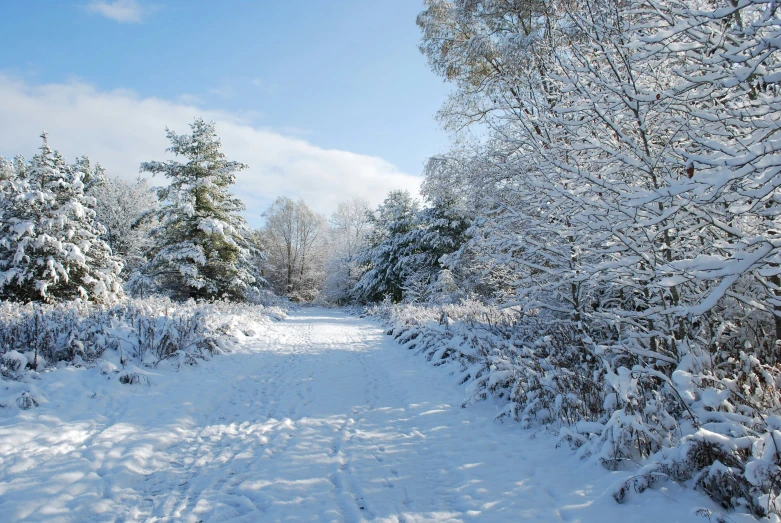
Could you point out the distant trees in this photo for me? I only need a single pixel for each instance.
(200, 244)
(189, 240)
(293, 239)
(359, 255)
(50, 242)
(386, 257)
(350, 228)
(404, 254)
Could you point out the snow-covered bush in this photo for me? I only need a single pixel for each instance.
(712, 423)
(119, 340)
(145, 331)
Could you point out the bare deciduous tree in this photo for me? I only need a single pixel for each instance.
(350, 226)
(293, 237)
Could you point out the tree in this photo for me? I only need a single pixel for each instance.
(7, 173)
(200, 247)
(350, 226)
(385, 259)
(441, 229)
(118, 204)
(727, 96)
(50, 243)
(626, 199)
(10, 178)
(293, 238)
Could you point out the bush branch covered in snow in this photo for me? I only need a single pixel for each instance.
(712, 424)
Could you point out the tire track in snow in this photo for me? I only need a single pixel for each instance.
(271, 401)
(220, 440)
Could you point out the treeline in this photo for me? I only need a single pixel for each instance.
(359, 255)
(69, 231)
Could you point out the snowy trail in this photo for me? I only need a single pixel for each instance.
(319, 418)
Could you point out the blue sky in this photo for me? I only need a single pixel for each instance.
(341, 75)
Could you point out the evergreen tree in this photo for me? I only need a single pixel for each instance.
(438, 231)
(50, 245)
(201, 246)
(404, 253)
(6, 170)
(386, 256)
(8, 177)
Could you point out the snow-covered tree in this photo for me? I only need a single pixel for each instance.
(441, 228)
(94, 175)
(50, 243)
(118, 204)
(385, 259)
(403, 256)
(294, 243)
(200, 242)
(626, 204)
(726, 93)
(9, 178)
(350, 227)
(7, 172)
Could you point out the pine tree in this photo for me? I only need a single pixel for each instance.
(201, 246)
(439, 230)
(50, 246)
(6, 170)
(386, 257)
(8, 177)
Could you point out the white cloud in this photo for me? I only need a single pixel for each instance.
(120, 130)
(223, 91)
(125, 11)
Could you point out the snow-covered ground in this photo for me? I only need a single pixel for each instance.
(317, 418)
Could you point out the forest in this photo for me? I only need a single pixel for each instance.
(599, 250)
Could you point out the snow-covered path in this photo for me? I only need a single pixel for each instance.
(320, 418)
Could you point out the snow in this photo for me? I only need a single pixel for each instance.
(14, 359)
(317, 418)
